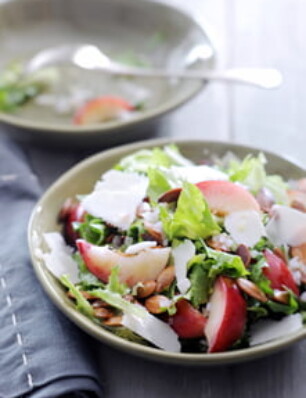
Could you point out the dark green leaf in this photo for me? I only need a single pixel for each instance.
(258, 277)
(257, 311)
(263, 244)
(136, 231)
(291, 308)
(205, 268)
(93, 230)
(200, 285)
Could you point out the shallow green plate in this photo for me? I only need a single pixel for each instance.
(148, 32)
(80, 180)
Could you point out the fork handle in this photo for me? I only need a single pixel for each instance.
(267, 78)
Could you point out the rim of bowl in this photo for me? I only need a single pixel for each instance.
(151, 114)
(105, 336)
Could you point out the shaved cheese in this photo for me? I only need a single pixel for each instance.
(59, 259)
(287, 226)
(303, 297)
(267, 330)
(115, 179)
(151, 216)
(194, 174)
(223, 241)
(181, 255)
(154, 330)
(245, 227)
(297, 268)
(137, 247)
(115, 199)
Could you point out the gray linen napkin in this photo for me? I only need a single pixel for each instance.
(42, 354)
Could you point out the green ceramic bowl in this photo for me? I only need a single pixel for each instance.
(80, 180)
(149, 32)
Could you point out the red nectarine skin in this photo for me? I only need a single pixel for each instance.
(84, 249)
(278, 273)
(187, 322)
(70, 213)
(227, 318)
(100, 106)
(225, 197)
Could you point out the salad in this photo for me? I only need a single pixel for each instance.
(69, 93)
(186, 257)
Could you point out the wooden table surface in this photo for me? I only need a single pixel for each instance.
(269, 33)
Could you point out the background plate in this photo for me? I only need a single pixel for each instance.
(149, 32)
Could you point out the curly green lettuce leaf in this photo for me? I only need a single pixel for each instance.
(192, 218)
(158, 183)
(262, 245)
(205, 268)
(286, 309)
(116, 300)
(174, 154)
(82, 304)
(278, 187)
(251, 172)
(10, 74)
(11, 97)
(93, 230)
(142, 160)
(229, 264)
(136, 231)
(200, 284)
(114, 284)
(87, 279)
(257, 276)
(256, 311)
(17, 89)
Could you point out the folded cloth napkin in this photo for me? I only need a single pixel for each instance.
(42, 354)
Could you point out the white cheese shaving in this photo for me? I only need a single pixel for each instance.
(245, 227)
(59, 259)
(194, 174)
(181, 255)
(287, 226)
(224, 242)
(154, 330)
(115, 179)
(303, 297)
(151, 216)
(137, 247)
(267, 330)
(297, 268)
(115, 199)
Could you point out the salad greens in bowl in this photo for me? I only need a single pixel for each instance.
(191, 252)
